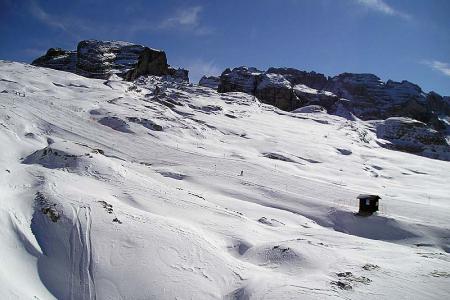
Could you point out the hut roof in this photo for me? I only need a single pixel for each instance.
(368, 196)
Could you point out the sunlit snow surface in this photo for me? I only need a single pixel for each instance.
(115, 190)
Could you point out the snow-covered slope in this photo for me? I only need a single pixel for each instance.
(160, 190)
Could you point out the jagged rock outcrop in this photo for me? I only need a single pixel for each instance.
(210, 82)
(58, 59)
(101, 59)
(179, 74)
(150, 62)
(412, 136)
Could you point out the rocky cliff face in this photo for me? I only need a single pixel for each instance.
(241, 79)
(311, 79)
(276, 90)
(101, 59)
(363, 95)
(276, 86)
(370, 98)
(210, 82)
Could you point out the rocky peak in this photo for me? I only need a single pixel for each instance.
(101, 59)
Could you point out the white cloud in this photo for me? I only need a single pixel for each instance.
(382, 7)
(187, 19)
(40, 14)
(436, 65)
(184, 17)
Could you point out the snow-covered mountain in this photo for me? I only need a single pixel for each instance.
(160, 189)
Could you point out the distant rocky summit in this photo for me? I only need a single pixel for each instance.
(365, 96)
(101, 59)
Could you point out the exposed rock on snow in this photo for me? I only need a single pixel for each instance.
(116, 123)
(413, 136)
(309, 109)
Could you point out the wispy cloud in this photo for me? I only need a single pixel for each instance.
(186, 19)
(382, 7)
(40, 14)
(199, 67)
(440, 66)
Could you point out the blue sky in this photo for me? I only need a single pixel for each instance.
(392, 39)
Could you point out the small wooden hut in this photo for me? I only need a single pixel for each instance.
(368, 204)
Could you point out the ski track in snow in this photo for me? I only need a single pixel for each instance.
(255, 206)
(81, 235)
